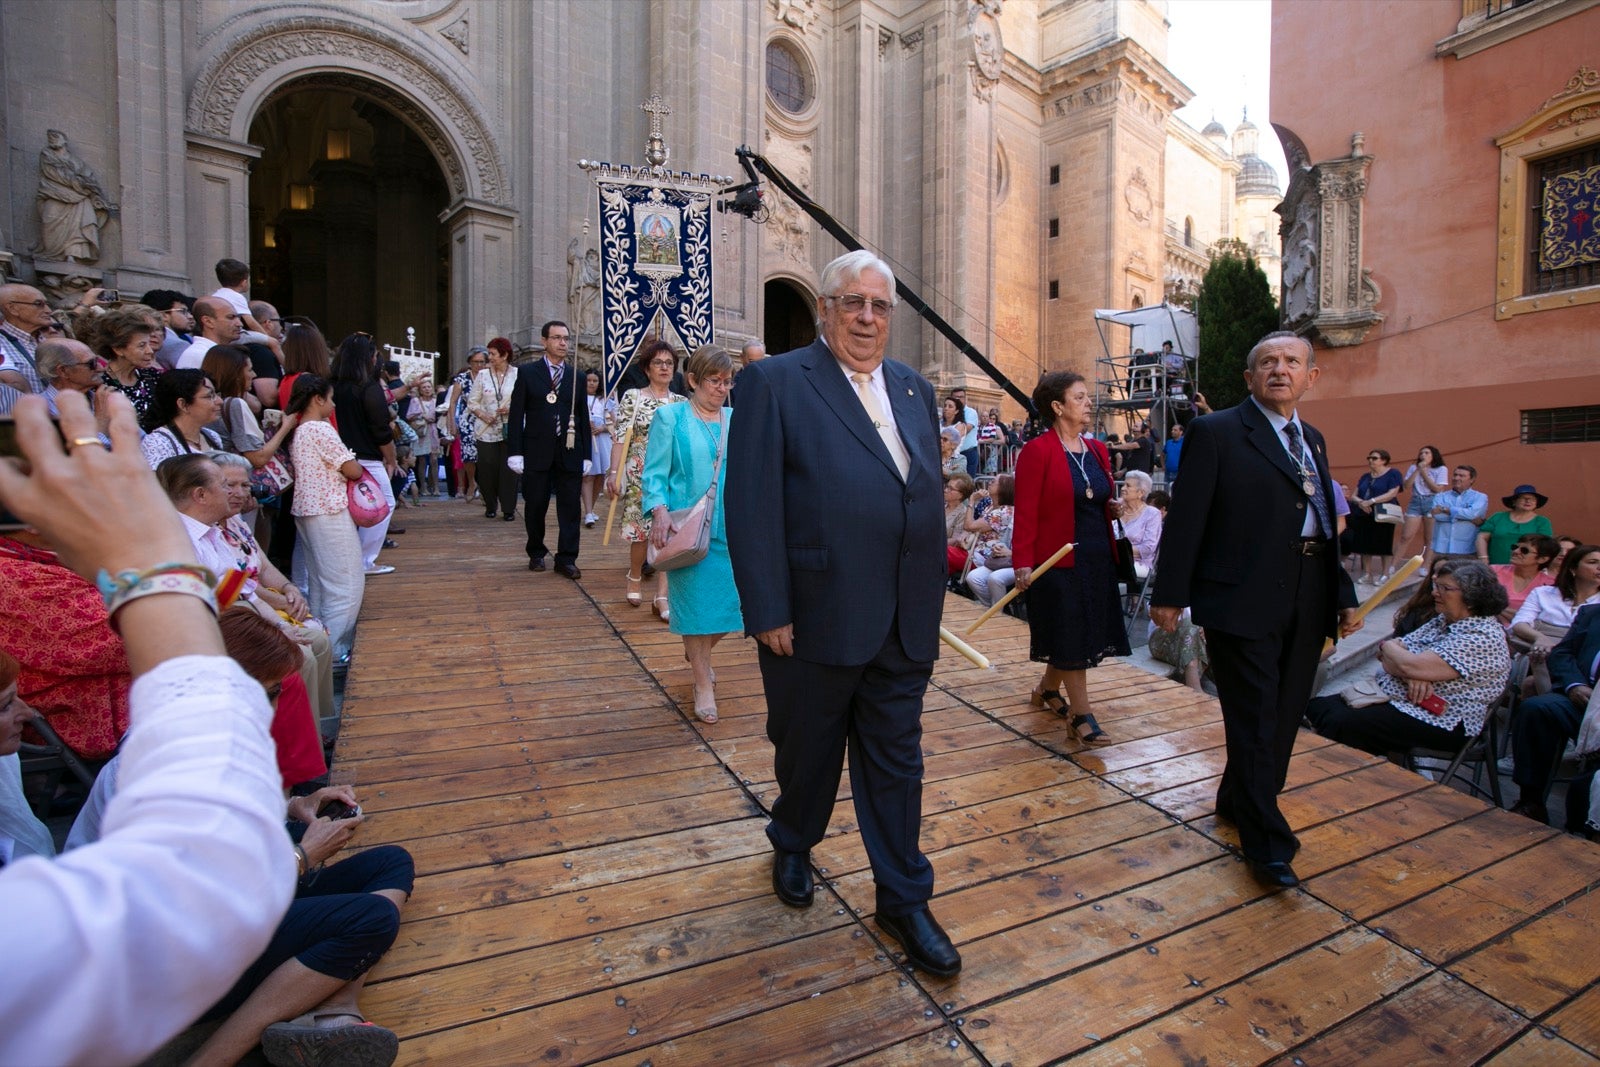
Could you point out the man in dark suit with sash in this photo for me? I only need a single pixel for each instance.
(548, 437)
(836, 529)
(1544, 724)
(1250, 546)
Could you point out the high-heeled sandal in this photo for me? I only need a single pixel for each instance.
(635, 597)
(1088, 730)
(1052, 701)
(706, 710)
(662, 608)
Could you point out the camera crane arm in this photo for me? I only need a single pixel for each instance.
(747, 201)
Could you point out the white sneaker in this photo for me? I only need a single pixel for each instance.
(590, 519)
(379, 568)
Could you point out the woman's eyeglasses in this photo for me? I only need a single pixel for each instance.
(1521, 550)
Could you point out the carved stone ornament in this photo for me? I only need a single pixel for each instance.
(798, 15)
(988, 53)
(1325, 289)
(456, 33)
(303, 48)
(1137, 196)
(72, 204)
(787, 227)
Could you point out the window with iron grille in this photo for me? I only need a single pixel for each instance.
(788, 81)
(1561, 426)
(1544, 171)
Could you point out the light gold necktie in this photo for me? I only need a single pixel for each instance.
(891, 438)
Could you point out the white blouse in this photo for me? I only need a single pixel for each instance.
(1546, 605)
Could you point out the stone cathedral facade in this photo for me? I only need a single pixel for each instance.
(385, 164)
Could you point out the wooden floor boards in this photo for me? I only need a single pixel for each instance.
(594, 879)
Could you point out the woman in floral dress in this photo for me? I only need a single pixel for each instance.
(461, 424)
(636, 409)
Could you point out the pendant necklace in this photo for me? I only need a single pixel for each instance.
(1078, 461)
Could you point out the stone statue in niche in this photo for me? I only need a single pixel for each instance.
(583, 288)
(72, 204)
(1299, 272)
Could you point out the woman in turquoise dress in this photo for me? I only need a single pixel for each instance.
(686, 442)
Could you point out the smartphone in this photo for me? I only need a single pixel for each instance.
(110, 296)
(338, 809)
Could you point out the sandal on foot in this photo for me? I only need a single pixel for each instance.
(1052, 701)
(635, 598)
(706, 710)
(301, 1042)
(1088, 730)
(662, 608)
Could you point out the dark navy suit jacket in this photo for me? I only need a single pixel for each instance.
(538, 428)
(1227, 547)
(822, 531)
(1571, 660)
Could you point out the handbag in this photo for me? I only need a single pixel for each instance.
(690, 539)
(367, 505)
(1389, 514)
(271, 480)
(1125, 572)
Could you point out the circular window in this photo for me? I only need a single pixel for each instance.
(788, 80)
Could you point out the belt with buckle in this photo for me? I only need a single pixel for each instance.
(1311, 546)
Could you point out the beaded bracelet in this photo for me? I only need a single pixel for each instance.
(124, 587)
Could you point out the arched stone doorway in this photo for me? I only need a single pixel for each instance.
(267, 57)
(789, 316)
(344, 216)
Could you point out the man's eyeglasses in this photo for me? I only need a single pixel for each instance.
(1374, 457)
(855, 303)
(28, 303)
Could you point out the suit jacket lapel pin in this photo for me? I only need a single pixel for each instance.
(550, 397)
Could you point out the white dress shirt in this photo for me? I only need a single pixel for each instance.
(116, 947)
(1306, 461)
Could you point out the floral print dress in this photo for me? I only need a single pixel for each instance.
(637, 408)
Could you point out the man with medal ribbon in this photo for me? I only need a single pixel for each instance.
(1250, 546)
(548, 438)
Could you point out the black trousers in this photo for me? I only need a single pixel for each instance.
(1379, 728)
(495, 480)
(814, 712)
(1539, 733)
(536, 489)
(1264, 684)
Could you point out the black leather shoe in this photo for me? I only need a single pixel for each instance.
(1532, 809)
(396, 530)
(508, 516)
(791, 878)
(569, 570)
(927, 946)
(1276, 875)
(536, 564)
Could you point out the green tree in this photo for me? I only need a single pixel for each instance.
(1236, 309)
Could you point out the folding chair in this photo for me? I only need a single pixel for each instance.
(1482, 751)
(50, 762)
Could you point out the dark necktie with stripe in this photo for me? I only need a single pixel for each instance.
(1319, 503)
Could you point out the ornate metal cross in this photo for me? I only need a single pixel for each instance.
(655, 147)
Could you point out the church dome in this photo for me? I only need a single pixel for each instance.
(1214, 129)
(1257, 178)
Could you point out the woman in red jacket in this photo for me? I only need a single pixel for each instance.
(1066, 493)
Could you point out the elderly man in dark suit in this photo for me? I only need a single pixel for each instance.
(1544, 724)
(835, 526)
(1250, 547)
(549, 438)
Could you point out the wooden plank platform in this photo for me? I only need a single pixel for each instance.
(594, 880)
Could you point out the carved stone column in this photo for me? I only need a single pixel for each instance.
(481, 262)
(1325, 289)
(217, 198)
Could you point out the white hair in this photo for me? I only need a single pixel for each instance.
(850, 266)
(229, 459)
(1141, 479)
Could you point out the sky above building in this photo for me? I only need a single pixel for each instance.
(1222, 50)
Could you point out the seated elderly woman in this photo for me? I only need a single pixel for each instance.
(1441, 679)
(991, 574)
(950, 461)
(1141, 523)
(957, 488)
(1183, 648)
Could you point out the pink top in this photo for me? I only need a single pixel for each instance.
(1503, 572)
(317, 453)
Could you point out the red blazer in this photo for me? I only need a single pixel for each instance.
(1043, 520)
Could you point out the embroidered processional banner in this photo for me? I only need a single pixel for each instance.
(655, 259)
(1570, 237)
